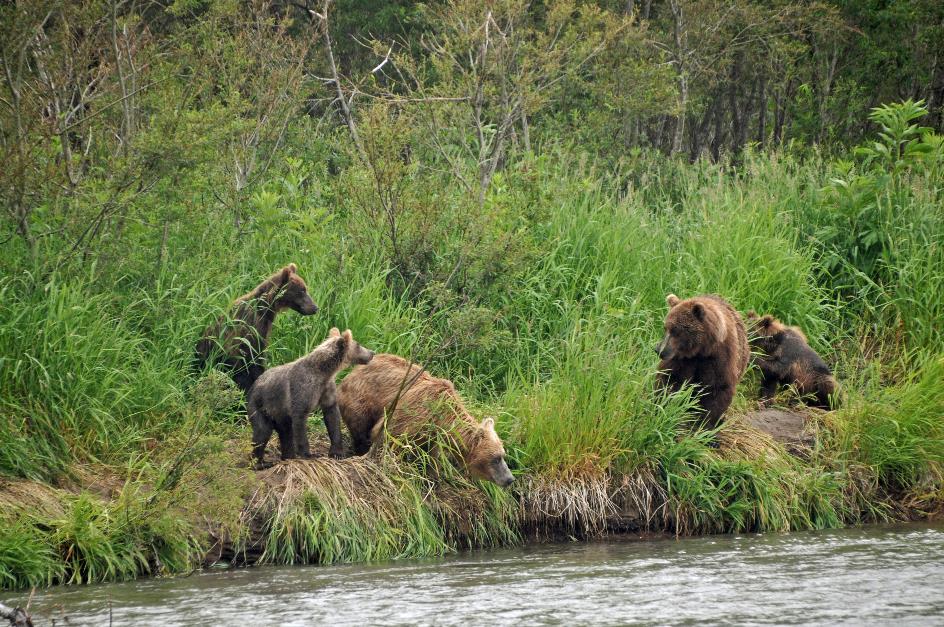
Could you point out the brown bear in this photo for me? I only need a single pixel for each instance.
(705, 344)
(284, 396)
(238, 339)
(417, 400)
(785, 358)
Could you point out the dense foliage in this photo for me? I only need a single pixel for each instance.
(504, 190)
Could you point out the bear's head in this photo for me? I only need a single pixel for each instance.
(485, 458)
(693, 327)
(766, 333)
(292, 292)
(350, 351)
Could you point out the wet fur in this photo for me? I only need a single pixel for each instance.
(238, 340)
(785, 358)
(705, 345)
(284, 396)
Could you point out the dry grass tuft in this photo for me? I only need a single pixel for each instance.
(578, 505)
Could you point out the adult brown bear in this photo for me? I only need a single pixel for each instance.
(237, 340)
(413, 400)
(705, 345)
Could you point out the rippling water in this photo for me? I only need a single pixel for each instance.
(875, 575)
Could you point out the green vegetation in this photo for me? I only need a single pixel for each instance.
(491, 201)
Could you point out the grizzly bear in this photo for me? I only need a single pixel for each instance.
(705, 345)
(238, 340)
(284, 396)
(412, 401)
(785, 358)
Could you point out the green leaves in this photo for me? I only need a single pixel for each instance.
(903, 143)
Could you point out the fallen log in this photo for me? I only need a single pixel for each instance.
(17, 616)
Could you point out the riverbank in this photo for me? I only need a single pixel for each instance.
(396, 503)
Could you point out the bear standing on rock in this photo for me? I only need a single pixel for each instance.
(240, 337)
(284, 397)
(413, 400)
(705, 344)
(786, 359)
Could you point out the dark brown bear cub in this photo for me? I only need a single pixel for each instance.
(785, 358)
(238, 340)
(705, 345)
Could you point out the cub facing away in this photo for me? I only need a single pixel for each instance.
(283, 397)
(413, 400)
(785, 358)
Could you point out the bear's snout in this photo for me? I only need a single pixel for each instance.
(502, 475)
(664, 348)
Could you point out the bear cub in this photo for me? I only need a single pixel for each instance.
(283, 397)
(238, 339)
(785, 358)
(705, 344)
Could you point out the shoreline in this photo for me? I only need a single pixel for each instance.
(277, 503)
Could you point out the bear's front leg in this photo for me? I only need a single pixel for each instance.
(332, 420)
(714, 402)
(768, 388)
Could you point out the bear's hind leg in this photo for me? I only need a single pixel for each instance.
(286, 438)
(261, 432)
(300, 434)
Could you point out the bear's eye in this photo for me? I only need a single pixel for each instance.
(496, 460)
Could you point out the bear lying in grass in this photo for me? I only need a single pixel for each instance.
(238, 339)
(284, 397)
(421, 401)
(785, 358)
(705, 345)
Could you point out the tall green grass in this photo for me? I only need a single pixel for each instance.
(94, 370)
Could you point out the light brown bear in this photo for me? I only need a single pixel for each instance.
(284, 396)
(785, 358)
(705, 344)
(420, 400)
(238, 339)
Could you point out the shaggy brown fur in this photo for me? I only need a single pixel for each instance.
(238, 340)
(371, 391)
(283, 397)
(785, 358)
(705, 344)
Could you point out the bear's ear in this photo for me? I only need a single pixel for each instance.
(347, 336)
(672, 300)
(285, 274)
(766, 321)
(751, 315)
(698, 311)
(488, 424)
(334, 332)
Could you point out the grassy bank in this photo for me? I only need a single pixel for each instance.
(542, 303)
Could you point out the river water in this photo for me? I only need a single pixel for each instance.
(873, 575)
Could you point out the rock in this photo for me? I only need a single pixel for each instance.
(786, 427)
